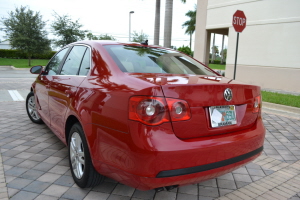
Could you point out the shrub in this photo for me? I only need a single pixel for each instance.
(186, 50)
(217, 62)
(12, 53)
(47, 56)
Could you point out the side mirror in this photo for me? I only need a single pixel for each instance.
(36, 69)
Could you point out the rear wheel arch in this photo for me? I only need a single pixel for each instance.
(69, 123)
(72, 119)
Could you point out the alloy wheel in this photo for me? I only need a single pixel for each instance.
(77, 155)
(32, 109)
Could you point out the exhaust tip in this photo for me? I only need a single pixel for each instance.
(159, 189)
(171, 187)
(168, 188)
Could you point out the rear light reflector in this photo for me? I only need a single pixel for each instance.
(179, 109)
(157, 110)
(257, 104)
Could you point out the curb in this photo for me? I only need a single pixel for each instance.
(287, 111)
(281, 107)
(14, 68)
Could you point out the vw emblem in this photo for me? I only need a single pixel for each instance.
(228, 94)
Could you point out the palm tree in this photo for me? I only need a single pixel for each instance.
(157, 23)
(190, 24)
(168, 23)
(215, 52)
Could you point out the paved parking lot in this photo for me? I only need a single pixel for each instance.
(34, 163)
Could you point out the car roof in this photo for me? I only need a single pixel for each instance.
(111, 42)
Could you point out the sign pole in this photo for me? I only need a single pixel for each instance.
(236, 52)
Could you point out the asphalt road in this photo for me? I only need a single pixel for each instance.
(8, 72)
(15, 84)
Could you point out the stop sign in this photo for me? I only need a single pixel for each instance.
(239, 21)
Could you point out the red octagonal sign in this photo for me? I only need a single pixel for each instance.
(239, 21)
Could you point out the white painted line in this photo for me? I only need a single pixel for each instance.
(15, 95)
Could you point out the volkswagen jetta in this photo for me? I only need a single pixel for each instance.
(146, 116)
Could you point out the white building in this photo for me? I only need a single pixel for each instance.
(269, 46)
(5, 45)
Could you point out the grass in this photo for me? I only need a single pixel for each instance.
(283, 99)
(22, 63)
(217, 66)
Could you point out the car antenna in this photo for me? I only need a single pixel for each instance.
(145, 43)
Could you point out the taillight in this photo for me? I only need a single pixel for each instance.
(148, 110)
(179, 109)
(257, 104)
(155, 110)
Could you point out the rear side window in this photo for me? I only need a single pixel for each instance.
(73, 61)
(53, 66)
(85, 64)
(136, 59)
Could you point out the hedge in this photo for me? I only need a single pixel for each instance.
(217, 62)
(9, 53)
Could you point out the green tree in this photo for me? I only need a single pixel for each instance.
(215, 49)
(185, 49)
(215, 52)
(168, 22)
(90, 36)
(223, 55)
(139, 37)
(25, 32)
(190, 24)
(106, 37)
(67, 30)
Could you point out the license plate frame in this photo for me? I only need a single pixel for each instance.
(221, 116)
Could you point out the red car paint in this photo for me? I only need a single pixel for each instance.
(150, 156)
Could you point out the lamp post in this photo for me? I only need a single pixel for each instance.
(131, 12)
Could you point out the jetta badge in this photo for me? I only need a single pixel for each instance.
(228, 94)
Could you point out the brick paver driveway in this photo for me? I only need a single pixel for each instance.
(35, 166)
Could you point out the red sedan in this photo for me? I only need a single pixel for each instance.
(146, 116)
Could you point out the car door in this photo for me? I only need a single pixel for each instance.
(43, 83)
(64, 86)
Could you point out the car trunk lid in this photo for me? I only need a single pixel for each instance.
(203, 93)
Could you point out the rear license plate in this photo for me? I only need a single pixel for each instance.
(222, 115)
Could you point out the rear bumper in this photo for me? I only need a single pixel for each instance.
(210, 166)
(146, 183)
(152, 157)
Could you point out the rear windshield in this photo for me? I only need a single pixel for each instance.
(136, 59)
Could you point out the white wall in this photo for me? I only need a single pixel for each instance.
(269, 44)
(274, 45)
(271, 37)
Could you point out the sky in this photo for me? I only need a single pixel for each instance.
(110, 16)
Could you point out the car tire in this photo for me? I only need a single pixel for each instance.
(31, 109)
(82, 169)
